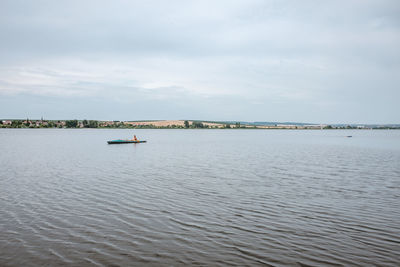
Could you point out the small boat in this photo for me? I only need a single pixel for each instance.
(119, 141)
(349, 136)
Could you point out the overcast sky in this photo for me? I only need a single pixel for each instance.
(305, 61)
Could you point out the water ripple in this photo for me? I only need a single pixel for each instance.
(219, 198)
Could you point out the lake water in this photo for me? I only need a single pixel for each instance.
(199, 197)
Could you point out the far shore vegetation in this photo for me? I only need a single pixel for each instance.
(176, 124)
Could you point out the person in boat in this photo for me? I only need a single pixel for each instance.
(134, 138)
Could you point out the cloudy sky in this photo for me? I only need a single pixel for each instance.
(254, 60)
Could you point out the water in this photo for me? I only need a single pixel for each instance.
(199, 197)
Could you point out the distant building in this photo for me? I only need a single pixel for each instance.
(106, 123)
(60, 124)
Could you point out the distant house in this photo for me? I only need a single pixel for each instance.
(27, 122)
(60, 124)
(7, 122)
(107, 123)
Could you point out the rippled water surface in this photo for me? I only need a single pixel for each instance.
(199, 197)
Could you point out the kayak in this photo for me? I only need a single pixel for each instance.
(119, 141)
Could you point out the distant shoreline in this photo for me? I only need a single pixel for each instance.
(183, 124)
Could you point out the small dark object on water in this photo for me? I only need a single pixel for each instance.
(119, 141)
(349, 136)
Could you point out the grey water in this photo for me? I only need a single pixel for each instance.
(199, 197)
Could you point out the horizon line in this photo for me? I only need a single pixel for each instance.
(211, 121)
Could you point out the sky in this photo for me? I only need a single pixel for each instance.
(250, 60)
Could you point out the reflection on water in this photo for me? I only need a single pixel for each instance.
(202, 197)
